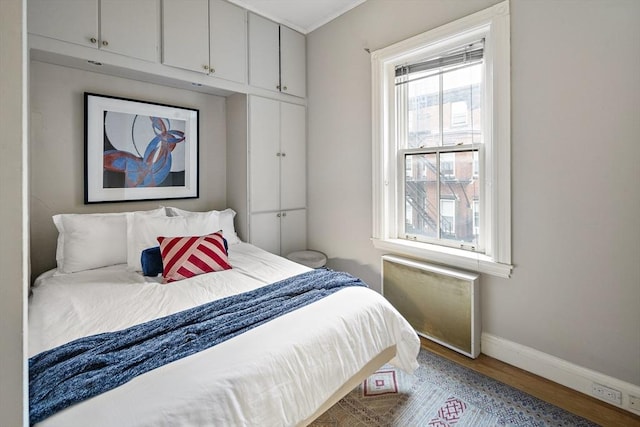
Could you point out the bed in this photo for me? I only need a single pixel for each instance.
(285, 372)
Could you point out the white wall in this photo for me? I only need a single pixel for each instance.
(13, 213)
(57, 148)
(575, 290)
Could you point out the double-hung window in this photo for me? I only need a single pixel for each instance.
(438, 103)
(441, 144)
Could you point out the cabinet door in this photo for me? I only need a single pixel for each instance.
(227, 41)
(130, 28)
(293, 182)
(293, 231)
(185, 34)
(67, 20)
(264, 67)
(264, 231)
(264, 154)
(292, 62)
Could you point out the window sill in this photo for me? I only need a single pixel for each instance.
(450, 256)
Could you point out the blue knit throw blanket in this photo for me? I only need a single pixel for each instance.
(91, 365)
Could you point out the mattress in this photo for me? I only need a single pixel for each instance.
(278, 374)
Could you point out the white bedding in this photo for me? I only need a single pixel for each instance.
(277, 374)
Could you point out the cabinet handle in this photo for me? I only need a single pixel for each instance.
(105, 43)
(278, 214)
(205, 67)
(278, 154)
(284, 214)
(278, 87)
(284, 88)
(93, 40)
(211, 69)
(284, 154)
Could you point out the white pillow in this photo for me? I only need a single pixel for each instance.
(225, 218)
(143, 231)
(87, 241)
(226, 224)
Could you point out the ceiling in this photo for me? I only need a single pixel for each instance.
(301, 15)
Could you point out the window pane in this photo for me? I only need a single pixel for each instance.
(421, 196)
(439, 110)
(447, 166)
(448, 219)
(459, 184)
(462, 105)
(423, 111)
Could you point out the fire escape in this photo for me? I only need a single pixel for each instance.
(416, 197)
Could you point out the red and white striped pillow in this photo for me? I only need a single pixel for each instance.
(184, 257)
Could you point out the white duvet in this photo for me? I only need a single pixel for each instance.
(277, 374)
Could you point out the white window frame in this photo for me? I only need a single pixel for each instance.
(475, 210)
(492, 24)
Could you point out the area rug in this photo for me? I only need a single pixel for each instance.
(441, 393)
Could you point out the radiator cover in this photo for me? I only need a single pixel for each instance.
(442, 304)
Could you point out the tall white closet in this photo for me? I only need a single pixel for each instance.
(266, 161)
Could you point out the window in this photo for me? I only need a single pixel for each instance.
(451, 84)
(441, 144)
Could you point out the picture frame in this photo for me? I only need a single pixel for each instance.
(137, 150)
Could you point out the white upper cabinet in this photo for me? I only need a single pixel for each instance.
(277, 57)
(131, 29)
(292, 62)
(207, 36)
(185, 34)
(67, 20)
(247, 53)
(227, 41)
(264, 51)
(125, 28)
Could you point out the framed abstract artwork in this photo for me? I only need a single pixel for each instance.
(136, 150)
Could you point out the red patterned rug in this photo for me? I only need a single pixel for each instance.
(441, 393)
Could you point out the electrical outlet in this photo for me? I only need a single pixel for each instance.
(607, 393)
(634, 403)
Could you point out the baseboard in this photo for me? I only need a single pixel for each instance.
(557, 370)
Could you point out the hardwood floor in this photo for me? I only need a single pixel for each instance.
(578, 403)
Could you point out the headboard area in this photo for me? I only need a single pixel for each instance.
(56, 149)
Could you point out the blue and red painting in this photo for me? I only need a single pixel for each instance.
(143, 151)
